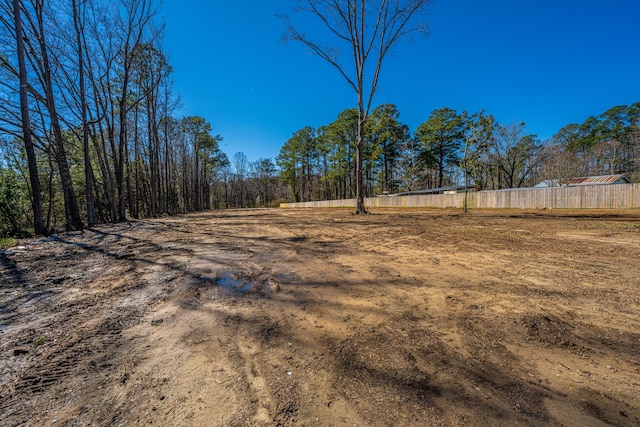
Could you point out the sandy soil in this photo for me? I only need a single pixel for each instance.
(320, 317)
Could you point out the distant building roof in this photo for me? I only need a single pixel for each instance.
(438, 190)
(599, 180)
(548, 183)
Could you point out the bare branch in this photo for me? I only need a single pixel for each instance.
(373, 28)
(323, 53)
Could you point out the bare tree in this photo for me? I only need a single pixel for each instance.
(557, 164)
(240, 168)
(370, 28)
(40, 51)
(135, 25)
(78, 25)
(514, 153)
(36, 198)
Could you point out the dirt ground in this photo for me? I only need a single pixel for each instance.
(320, 317)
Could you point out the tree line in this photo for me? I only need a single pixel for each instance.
(89, 133)
(88, 125)
(451, 146)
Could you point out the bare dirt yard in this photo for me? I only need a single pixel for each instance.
(320, 317)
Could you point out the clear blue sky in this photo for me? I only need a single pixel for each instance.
(545, 62)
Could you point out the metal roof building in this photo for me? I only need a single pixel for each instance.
(599, 180)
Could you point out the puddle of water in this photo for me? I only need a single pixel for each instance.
(239, 287)
(244, 289)
(228, 283)
(232, 285)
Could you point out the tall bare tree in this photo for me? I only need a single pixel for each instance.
(135, 26)
(89, 78)
(78, 25)
(514, 154)
(36, 192)
(370, 28)
(44, 68)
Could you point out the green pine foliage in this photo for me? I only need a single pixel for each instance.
(13, 204)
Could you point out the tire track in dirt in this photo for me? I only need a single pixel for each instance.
(400, 317)
(75, 328)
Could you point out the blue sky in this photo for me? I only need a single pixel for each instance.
(545, 62)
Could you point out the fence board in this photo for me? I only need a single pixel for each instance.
(617, 196)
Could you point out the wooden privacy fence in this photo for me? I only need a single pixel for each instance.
(616, 196)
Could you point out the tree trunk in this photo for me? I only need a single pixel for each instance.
(122, 141)
(195, 193)
(154, 157)
(360, 208)
(72, 213)
(134, 203)
(166, 190)
(88, 173)
(36, 190)
(101, 145)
